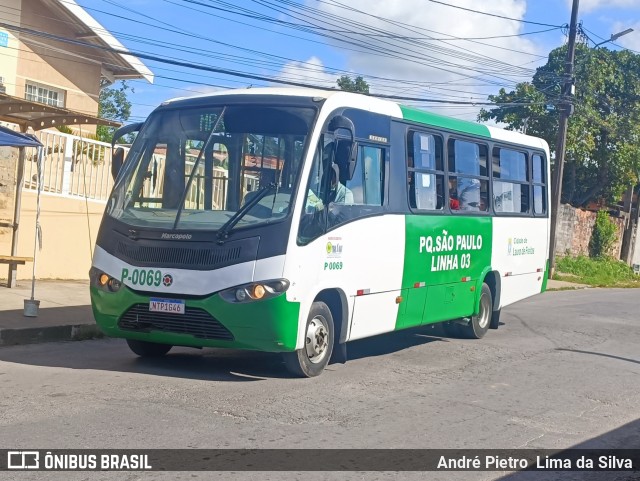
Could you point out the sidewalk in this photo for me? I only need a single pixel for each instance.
(64, 314)
(563, 285)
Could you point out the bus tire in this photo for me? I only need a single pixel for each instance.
(148, 349)
(495, 319)
(479, 324)
(311, 360)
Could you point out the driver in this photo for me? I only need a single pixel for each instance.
(339, 194)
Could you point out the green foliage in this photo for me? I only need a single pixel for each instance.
(113, 105)
(80, 148)
(358, 84)
(603, 140)
(603, 236)
(600, 272)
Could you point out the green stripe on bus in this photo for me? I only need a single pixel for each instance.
(443, 260)
(435, 120)
(545, 279)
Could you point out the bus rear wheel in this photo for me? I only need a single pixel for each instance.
(148, 349)
(310, 360)
(479, 324)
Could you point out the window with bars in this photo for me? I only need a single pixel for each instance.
(44, 94)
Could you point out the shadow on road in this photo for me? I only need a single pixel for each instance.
(626, 437)
(635, 361)
(393, 342)
(207, 364)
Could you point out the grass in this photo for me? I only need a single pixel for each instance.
(599, 272)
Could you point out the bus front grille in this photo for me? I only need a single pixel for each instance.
(179, 256)
(195, 322)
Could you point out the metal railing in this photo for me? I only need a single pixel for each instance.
(72, 166)
(80, 167)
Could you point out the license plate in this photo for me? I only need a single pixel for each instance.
(172, 306)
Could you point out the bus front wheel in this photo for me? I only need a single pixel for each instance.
(312, 358)
(148, 349)
(479, 324)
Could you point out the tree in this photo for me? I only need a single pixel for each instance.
(113, 105)
(603, 139)
(358, 84)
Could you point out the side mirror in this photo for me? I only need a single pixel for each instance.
(127, 129)
(346, 151)
(342, 122)
(346, 157)
(353, 159)
(117, 159)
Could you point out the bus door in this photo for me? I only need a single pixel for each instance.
(376, 269)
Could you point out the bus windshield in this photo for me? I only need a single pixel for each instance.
(194, 168)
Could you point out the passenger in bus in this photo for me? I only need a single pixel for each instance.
(454, 203)
(483, 202)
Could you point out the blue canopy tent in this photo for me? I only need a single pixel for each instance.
(10, 138)
(16, 139)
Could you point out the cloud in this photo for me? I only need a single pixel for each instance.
(310, 72)
(432, 61)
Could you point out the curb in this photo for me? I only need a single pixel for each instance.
(568, 288)
(37, 335)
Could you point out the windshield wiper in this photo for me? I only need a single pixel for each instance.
(195, 168)
(228, 226)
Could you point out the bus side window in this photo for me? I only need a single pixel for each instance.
(510, 181)
(367, 182)
(539, 187)
(425, 171)
(468, 176)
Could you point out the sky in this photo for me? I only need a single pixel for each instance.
(434, 52)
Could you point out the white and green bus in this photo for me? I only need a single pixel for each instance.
(294, 221)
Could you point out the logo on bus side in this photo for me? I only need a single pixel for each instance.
(334, 247)
(519, 246)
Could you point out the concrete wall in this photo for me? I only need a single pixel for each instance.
(575, 228)
(68, 236)
(8, 161)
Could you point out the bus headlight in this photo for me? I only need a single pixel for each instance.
(255, 291)
(104, 281)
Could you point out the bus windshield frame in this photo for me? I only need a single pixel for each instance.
(194, 166)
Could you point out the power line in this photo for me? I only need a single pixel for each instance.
(495, 15)
(236, 59)
(214, 69)
(398, 52)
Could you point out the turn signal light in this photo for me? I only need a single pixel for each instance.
(255, 291)
(104, 281)
(259, 291)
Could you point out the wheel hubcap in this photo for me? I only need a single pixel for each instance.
(485, 309)
(317, 339)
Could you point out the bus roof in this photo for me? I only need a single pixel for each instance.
(386, 107)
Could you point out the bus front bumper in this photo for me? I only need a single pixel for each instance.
(268, 325)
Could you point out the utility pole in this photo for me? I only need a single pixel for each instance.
(566, 109)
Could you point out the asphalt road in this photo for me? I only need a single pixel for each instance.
(562, 371)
